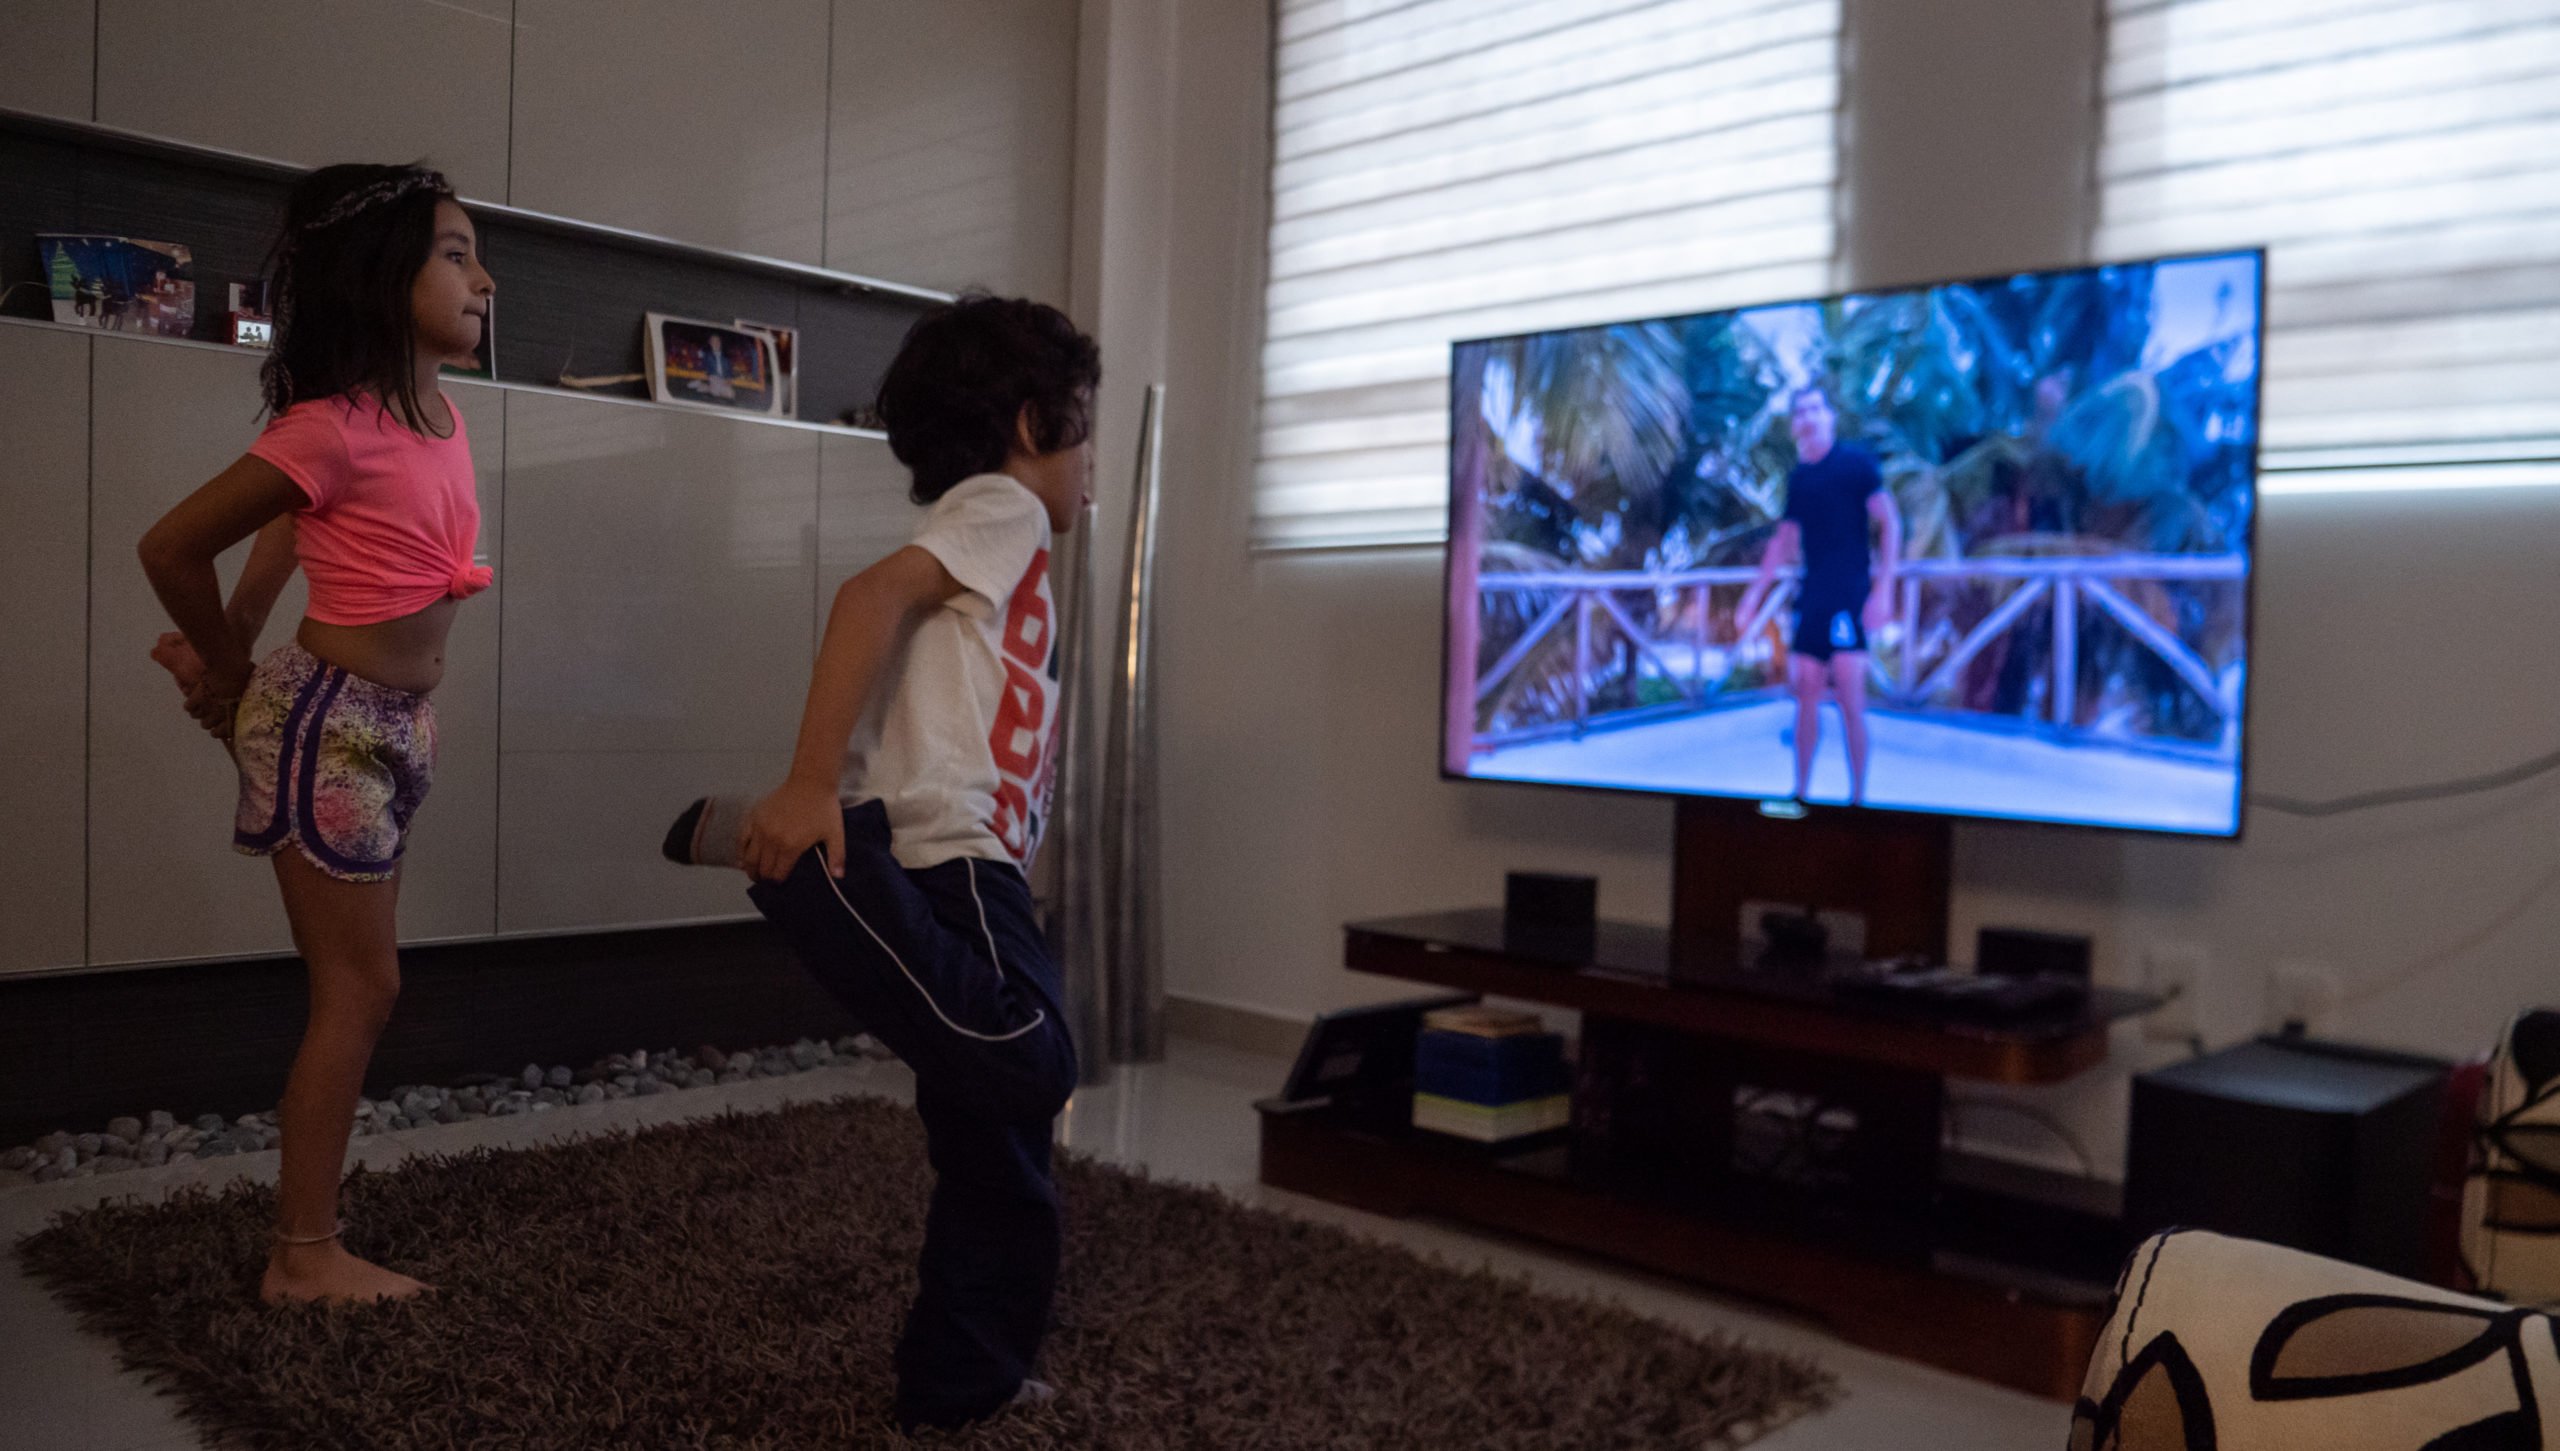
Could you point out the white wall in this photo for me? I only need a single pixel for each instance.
(2400, 638)
(314, 81)
(951, 161)
(46, 66)
(659, 572)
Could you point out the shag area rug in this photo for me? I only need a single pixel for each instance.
(738, 1283)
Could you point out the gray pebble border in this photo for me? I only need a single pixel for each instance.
(148, 1143)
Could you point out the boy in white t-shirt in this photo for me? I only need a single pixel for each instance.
(893, 855)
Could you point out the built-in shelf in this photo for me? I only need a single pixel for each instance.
(456, 380)
(571, 294)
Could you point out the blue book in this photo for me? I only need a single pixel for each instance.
(1523, 1053)
(1492, 1087)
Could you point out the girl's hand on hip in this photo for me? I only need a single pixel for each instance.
(214, 700)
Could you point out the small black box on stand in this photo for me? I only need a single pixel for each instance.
(1548, 914)
(2017, 952)
(2321, 1146)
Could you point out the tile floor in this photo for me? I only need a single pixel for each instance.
(1188, 1118)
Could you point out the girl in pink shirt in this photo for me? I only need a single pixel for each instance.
(363, 476)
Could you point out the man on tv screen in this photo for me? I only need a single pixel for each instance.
(1834, 492)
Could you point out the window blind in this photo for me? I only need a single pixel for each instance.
(2400, 159)
(1448, 169)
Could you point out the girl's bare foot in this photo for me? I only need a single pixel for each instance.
(307, 1272)
(179, 658)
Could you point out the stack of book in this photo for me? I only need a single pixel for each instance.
(1490, 1076)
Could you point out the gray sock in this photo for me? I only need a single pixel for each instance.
(705, 834)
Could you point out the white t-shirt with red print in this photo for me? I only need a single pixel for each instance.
(957, 738)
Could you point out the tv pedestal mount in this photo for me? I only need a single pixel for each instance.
(1761, 1131)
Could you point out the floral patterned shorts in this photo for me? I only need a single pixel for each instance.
(331, 763)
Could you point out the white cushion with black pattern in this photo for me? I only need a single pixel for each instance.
(2234, 1345)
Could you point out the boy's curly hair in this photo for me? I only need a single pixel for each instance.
(964, 375)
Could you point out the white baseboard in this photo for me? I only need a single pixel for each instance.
(1250, 1030)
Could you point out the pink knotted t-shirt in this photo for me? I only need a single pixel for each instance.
(393, 517)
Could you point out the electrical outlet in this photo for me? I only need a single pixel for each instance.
(2174, 971)
(2300, 991)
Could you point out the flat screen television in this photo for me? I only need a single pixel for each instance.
(1981, 548)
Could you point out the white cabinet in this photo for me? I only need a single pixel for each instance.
(661, 571)
(705, 123)
(44, 646)
(316, 81)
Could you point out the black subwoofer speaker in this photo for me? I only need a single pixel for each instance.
(2323, 1147)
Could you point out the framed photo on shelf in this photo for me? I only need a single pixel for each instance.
(786, 361)
(719, 366)
(118, 284)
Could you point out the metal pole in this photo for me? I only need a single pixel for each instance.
(1075, 927)
(1135, 951)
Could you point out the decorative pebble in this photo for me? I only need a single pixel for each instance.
(161, 1138)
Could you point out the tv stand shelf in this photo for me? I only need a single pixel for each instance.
(1624, 970)
(1955, 1269)
(2027, 1327)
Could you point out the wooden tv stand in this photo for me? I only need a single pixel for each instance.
(1985, 1269)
